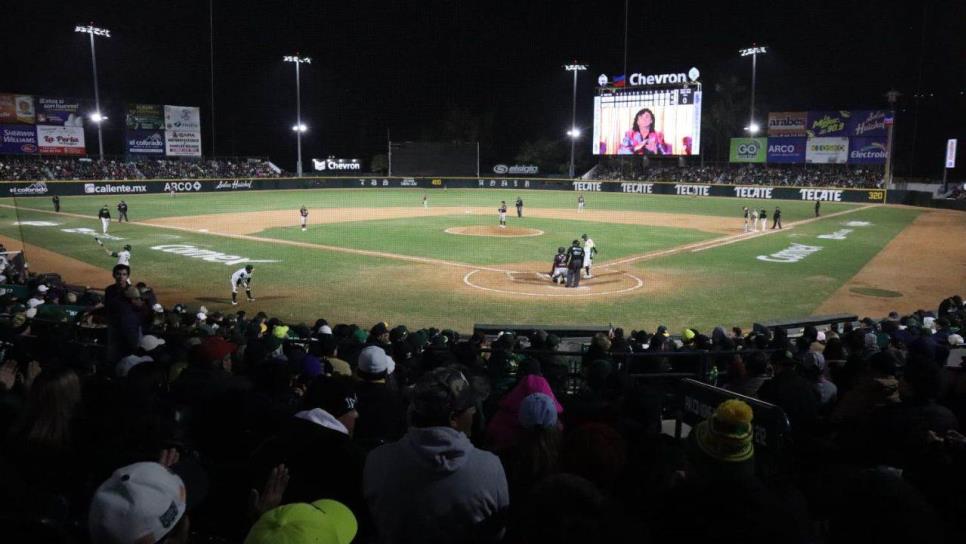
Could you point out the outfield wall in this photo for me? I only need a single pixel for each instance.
(129, 187)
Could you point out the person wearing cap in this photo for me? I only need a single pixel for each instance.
(208, 376)
(575, 261)
(379, 336)
(327, 349)
(122, 212)
(590, 251)
(39, 296)
(316, 445)
(242, 276)
(324, 521)
(504, 427)
(144, 354)
(790, 391)
(105, 216)
(382, 410)
(459, 487)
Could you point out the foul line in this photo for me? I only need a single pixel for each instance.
(727, 240)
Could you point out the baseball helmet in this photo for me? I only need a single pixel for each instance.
(127, 247)
(576, 242)
(249, 267)
(561, 249)
(584, 236)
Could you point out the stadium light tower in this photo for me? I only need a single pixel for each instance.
(299, 127)
(753, 52)
(574, 132)
(97, 116)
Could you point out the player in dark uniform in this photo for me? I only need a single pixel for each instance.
(818, 205)
(56, 201)
(558, 274)
(575, 261)
(519, 207)
(763, 217)
(122, 212)
(502, 211)
(778, 218)
(105, 217)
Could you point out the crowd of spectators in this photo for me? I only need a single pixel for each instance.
(123, 428)
(49, 168)
(794, 175)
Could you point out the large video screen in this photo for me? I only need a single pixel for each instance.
(647, 122)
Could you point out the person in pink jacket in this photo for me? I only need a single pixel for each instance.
(643, 139)
(503, 429)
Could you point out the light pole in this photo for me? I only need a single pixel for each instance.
(97, 116)
(574, 132)
(299, 127)
(753, 51)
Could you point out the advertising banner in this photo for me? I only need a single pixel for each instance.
(951, 152)
(182, 118)
(54, 140)
(827, 150)
(144, 117)
(16, 109)
(868, 124)
(18, 139)
(747, 150)
(787, 124)
(182, 143)
(786, 150)
(145, 142)
(827, 123)
(867, 150)
(62, 112)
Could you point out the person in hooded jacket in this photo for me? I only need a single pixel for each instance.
(504, 428)
(433, 485)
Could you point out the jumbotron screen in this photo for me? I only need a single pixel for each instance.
(652, 122)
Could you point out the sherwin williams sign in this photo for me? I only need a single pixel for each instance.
(827, 150)
(786, 150)
(748, 150)
(18, 139)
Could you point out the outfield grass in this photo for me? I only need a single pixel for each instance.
(724, 285)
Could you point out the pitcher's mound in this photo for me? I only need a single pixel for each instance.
(508, 232)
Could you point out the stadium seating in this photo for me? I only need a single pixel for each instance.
(46, 168)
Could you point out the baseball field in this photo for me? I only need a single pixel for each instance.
(373, 255)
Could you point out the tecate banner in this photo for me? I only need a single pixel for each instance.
(787, 124)
(867, 150)
(145, 142)
(144, 117)
(182, 118)
(54, 140)
(827, 123)
(868, 124)
(747, 150)
(16, 109)
(18, 139)
(182, 143)
(786, 150)
(827, 150)
(63, 112)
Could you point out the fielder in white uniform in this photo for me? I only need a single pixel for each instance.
(589, 251)
(242, 276)
(123, 256)
(580, 202)
(303, 216)
(502, 212)
(745, 211)
(754, 220)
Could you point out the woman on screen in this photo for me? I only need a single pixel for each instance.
(642, 139)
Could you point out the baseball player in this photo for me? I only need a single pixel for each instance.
(818, 207)
(754, 220)
(778, 218)
(575, 260)
(502, 210)
(580, 202)
(123, 256)
(558, 272)
(122, 212)
(744, 210)
(589, 251)
(763, 216)
(242, 276)
(303, 216)
(519, 207)
(425, 202)
(56, 201)
(105, 216)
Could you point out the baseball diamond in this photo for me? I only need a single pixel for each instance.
(377, 253)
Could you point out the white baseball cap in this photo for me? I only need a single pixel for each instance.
(142, 502)
(202, 316)
(955, 340)
(373, 360)
(125, 365)
(42, 288)
(150, 342)
(158, 308)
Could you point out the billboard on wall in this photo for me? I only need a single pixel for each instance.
(867, 150)
(786, 150)
(62, 112)
(747, 150)
(145, 142)
(144, 117)
(868, 124)
(827, 123)
(642, 121)
(182, 143)
(787, 124)
(17, 109)
(182, 118)
(827, 150)
(54, 140)
(18, 139)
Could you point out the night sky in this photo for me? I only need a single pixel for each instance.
(487, 70)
